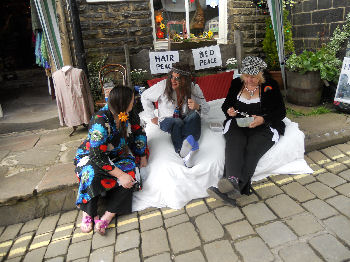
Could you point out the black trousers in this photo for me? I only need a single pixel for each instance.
(244, 148)
(117, 200)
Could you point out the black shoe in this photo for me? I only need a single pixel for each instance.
(226, 185)
(215, 193)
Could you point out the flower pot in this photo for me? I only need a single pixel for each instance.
(277, 76)
(304, 89)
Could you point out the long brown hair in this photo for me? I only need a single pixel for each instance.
(119, 100)
(184, 84)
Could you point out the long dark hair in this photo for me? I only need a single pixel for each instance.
(119, 100)
(185, 84)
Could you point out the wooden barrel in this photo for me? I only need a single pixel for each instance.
(304, 89)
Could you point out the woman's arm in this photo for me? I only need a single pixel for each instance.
(231, 96)
(272, 104)
(151, 95)
(201, 105)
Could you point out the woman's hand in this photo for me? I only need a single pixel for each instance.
(155, 120)
(143, 161)
(258, 120)
(126, 180)
(231, 112)
(192, 104)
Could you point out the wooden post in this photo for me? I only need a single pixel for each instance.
(127, 63)
(238, 39)
(66, 52)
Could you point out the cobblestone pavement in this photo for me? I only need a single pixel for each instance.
(288, 218)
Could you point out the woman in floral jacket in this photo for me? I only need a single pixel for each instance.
(106, 160)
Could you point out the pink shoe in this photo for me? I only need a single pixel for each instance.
(86, 224)
(101, 225)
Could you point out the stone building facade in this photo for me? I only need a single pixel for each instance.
(314, 21)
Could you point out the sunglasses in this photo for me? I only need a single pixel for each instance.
(176, 78)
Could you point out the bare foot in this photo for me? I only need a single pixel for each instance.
(102, 224)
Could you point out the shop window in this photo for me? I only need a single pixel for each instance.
(194, 17)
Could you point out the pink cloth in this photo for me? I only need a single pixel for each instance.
(73, 95)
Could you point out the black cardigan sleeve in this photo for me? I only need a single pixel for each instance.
(230, 100)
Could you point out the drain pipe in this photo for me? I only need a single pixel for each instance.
(77, 35)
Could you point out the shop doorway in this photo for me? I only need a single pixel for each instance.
(24, 91)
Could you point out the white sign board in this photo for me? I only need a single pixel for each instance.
(343, 90)
(207, 57)
(162, 62)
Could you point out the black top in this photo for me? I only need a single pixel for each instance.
(272, 105)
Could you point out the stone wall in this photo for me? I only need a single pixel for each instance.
(243, 16)
(315, 20)
(107, 26)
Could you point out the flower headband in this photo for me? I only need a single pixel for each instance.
(181, 72)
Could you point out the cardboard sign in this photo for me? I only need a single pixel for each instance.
(207, 57)
(343, 90)
(162, 62)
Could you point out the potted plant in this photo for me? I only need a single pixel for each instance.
(305, 71)
(138, 77)
(270, 48)
(184, 43)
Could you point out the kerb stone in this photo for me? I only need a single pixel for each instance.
(220, 251)
(183, 237)
(209, 227)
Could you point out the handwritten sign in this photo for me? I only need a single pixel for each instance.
(162, 62)
(207, 57)
(343, 90)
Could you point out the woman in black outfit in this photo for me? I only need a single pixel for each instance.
(246, 144)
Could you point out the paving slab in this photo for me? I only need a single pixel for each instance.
(38, 157)
(320, 208)
(40, 241)
(183, 237)
(258, 213)
(330, 248)
(57, 177)
(56, 259)
(304, 224)
(79, 250)
(304, 179)
(54, 138)
(172, 221)
(165, 257)
(132, 255)
(155, 241)
(344, 189)
(195, 208)
(298, 252)
(57, 248)
(340, 225)
(63, 231)
(240, 229)
(220, 251)
(10, 189)
(345, 174)
(80, 236)
(18, 143)
(4, 248)
(108, 239)
(209, 227)
(48, 224)
(268, 234)
(35, 255)
(284, 206)
(333, 152)
(10, 232)
(318, 157)
(267, 190)
(330, 179)
(298, 192)
(321, 190)
(335, 167)
(190, 257)
(68, 217)
(213, 203)
(281, 179)
(105, 254)
(127, 241)
(127, 222)
(3, 153)
(31, 225)
(246, 200)
(261, 251)
(168, 212)
(344, 148)
(228, 214)
(21, 245)
(341, 203)
(151, 220)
